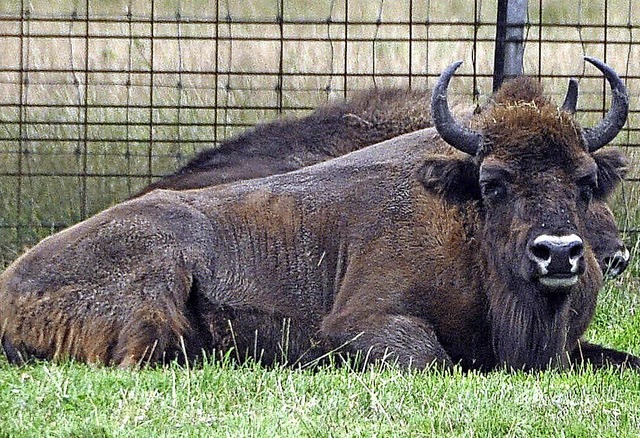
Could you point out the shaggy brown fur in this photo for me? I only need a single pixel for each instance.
(289, 144)
(395, 251)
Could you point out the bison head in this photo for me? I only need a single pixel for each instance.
(536, 180)
(536, 174)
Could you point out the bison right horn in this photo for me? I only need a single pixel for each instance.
(452, 132)
(571, 99)
(615, 119)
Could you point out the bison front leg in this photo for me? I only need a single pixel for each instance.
(155, 333)
(128, 326)
(117, 295)
(404, 340)
(599, 356)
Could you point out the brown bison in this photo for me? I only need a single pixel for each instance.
(404, 251)
(289, 144)
(336, 129)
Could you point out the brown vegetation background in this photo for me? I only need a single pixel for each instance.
(98, 98)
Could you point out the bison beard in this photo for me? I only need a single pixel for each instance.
(395, 251)
(528, 330)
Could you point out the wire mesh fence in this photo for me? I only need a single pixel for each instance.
(98, 98)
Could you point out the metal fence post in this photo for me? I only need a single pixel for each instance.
(511, 20)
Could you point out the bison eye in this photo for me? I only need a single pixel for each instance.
(493, 189)
(586, 193)
(586, 187)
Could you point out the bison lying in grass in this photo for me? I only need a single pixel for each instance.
(405, 250)
(339, 128)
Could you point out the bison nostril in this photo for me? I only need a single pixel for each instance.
(540, 251)
(576, 251)
(616, 264)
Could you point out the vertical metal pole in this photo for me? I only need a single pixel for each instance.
(85, 125)
(280, 84)
(22, 116)
(216, 80)
(410, 41)
(346, 51)
(151, 98)
(509, 51)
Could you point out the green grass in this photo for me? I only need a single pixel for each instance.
(220, 400)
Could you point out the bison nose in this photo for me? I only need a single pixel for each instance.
(617, 263)
(559, 259)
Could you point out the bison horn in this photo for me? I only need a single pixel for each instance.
(615, 119)
(571, 99)
(452, 132)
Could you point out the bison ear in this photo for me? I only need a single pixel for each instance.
(454, 179)
(612, 168)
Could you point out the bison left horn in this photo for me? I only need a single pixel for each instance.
(615, 119)
(452, 132)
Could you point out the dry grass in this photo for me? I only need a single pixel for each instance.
(141, 143)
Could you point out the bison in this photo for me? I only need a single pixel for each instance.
(336, 129)
(289, 144)
(405, 251)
